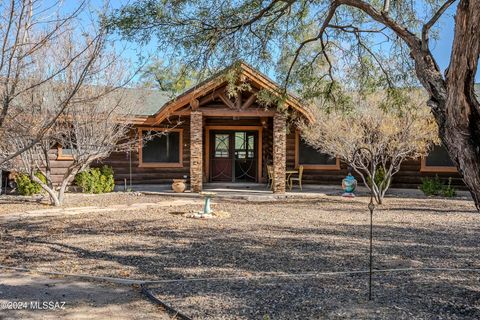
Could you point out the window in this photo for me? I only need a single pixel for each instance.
(244, 145)
(437, 160)
(311, 158)
(162, 149)
(222, 145)
(64, 153)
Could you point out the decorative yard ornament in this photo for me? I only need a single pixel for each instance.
(207, 210)
(208, 197)
(179, 185)
(371, 207)
(349, 184)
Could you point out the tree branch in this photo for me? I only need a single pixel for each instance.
(326, 22)
(410, 38)
(427, 26)
(386, 7)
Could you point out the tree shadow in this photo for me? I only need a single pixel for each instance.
(44, 297)
(155, 249)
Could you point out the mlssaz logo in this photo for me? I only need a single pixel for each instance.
(47, 305)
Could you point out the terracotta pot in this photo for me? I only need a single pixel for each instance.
(179, 185)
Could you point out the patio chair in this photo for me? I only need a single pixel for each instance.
(298, 178)
(270, 176)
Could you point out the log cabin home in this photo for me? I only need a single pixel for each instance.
(210, 137)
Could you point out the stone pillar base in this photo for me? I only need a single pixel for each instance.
(279, 152)
(196, 151)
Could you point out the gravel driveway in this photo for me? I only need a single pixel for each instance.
(275, 239)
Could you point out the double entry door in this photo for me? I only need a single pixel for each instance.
(233, 156)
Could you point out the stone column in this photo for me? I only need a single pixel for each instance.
(279, 152)
(196, 151)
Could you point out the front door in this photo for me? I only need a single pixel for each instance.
(233, 156)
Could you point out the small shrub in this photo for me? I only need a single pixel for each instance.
(379, 177)
(449, 191)
(435, 187)
(26, 187)
(96, 180)
(431, 186)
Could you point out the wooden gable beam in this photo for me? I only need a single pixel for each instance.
(212, 85)
(194, 104)
(238, 101)
(226, 112)
(227, 101)
(209, 97)
(249, 101)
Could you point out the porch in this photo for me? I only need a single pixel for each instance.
(237, 190)
(258, 192)
(207, 135)
(237, 151)
(218, 136)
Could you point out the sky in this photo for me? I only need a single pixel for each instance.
(441, 47)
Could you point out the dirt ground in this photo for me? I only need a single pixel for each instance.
(291, 242)
(45, 297)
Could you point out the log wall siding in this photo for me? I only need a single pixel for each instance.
(119, 161)
(58, 167)
(409, 175)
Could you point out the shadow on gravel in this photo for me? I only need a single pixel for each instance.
(396, 296)
(27, 296)
(159, 249)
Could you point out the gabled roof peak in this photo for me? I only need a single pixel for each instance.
(203, 88)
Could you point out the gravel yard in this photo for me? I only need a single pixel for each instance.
(278, 240)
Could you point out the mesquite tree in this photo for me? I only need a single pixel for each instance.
(317, 44)
(391, 134)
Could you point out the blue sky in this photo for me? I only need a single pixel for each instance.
(440, 47)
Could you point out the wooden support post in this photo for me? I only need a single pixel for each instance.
(279, 152)
(196, 151)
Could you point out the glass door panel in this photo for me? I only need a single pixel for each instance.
(233, 156)
(221, 168)
(245, 158)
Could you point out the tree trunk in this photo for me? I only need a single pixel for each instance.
(53, 196)
(63, 187)
(461, 131)
(453, 102)
(68, 177)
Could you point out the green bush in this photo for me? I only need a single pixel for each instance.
(435, 187)
(26, 187)
(96, 180)
(379, 177)
(449, 191)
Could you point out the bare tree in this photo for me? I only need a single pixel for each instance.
(95, 121)
(392, 135)
(34, 57)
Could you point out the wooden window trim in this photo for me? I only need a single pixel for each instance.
(142, 164)
(438, 169)
(61, 156)
(325, 167)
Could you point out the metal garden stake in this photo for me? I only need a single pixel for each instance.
(371, 207)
